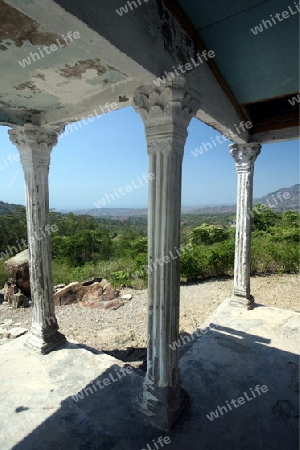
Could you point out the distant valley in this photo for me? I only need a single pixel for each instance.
(281, 200)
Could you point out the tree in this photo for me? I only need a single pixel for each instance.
(291, 219)
(208, 234)
(263, 217)
(89, 245)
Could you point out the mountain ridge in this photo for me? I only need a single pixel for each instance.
(282, 199)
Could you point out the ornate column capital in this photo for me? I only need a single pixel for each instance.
(166, 112)
(34, 143)
(245, 155)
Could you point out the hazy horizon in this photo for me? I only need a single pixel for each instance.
(102, 158)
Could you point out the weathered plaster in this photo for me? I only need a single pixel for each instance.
(49, 82)
(35, 145)
(17, 28)
(143, 45)
(166, 114)
(245, 157)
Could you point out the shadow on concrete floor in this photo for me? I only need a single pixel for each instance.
(131, 354)
(221, 366)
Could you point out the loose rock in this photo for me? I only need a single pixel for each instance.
(13, 333)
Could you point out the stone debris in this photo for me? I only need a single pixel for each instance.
(113, 304)
(8, 330)
(15, 332)
(14, 297)
(7, 322)
(19, 300)
(67, 295)
(90, 281)
(3, 332)
(89, 294)
(17, 289)
(58, 287)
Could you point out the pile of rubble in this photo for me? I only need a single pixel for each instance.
(10, 330)
(16, 291)
(92, 293)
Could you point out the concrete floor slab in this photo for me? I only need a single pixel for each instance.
(62, 401)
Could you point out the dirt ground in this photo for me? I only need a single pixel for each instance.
(123, 332)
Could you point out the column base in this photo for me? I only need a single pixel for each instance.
(162, 407)
(243, 302)
(45, 342)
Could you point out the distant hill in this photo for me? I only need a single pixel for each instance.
(120, 213)
(10, 208)
(282, 200)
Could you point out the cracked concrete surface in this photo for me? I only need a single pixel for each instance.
(242, 349)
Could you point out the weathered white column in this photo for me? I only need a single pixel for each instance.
(244, 156)
(35, 145)
(166, 114)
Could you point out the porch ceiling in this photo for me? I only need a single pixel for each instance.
(256, 67)
(262, 69)
(34, 81)
(115, 55)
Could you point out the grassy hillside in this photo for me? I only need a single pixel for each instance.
(9, 208)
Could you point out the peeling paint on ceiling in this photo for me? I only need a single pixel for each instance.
(36, 84)
(76, 70)
(19, 28)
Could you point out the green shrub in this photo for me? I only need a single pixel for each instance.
(208, 234)
(121, 277)
(221, 259)
(195, 263)
(268, 256)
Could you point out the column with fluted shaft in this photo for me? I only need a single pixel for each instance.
(245, 156)
(35, 145)
(166, 114)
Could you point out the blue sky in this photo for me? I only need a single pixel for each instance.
(109, 153)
